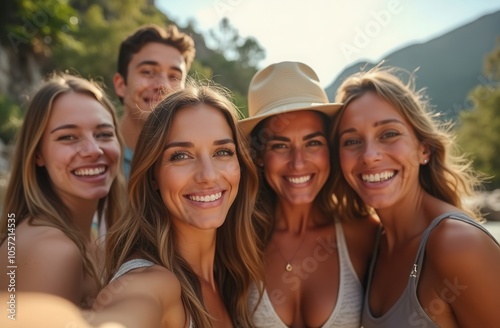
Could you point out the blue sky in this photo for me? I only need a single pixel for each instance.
(326, 35)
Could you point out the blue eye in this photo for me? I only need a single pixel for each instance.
(225, 152)
(178, 155)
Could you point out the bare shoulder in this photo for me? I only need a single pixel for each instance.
(457, 245)
(144, 297)
(463, 265)
(150, 281)
(48, 247)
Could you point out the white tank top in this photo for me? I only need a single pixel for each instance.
(347, 311)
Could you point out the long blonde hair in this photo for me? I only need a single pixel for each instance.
(147, 229)
(29, 193)
(447, 176)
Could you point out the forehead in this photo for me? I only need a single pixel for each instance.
(78, 108)
(370, 107)
(163, 55)
(202, 122)
(293, 122)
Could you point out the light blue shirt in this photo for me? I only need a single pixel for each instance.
(127, 161)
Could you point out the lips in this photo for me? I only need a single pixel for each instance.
(90, 171)
(378, 177)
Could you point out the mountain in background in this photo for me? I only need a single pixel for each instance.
(449, 66)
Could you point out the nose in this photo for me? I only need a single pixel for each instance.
(297, 160)
(89, 147)
(371, 153)
(206, 170)
(162, 83)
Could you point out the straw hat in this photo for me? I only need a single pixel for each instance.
(282, 88)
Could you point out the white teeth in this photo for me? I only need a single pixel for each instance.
(94, 171)
(378, 177)
(207, 198)
(299, 179)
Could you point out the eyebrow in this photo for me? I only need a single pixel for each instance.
(376, 124)
(307, 137)
(74, 126)
(187, 144)
(155, 63)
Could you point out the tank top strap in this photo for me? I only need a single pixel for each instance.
(415, 273)
(372, 266)
(131, 265)
(341, 243)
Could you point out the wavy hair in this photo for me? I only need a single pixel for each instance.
(30, 194)
(447, 176)
(147, 229)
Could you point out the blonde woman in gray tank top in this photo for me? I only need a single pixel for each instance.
(315, 259)
(434, 265)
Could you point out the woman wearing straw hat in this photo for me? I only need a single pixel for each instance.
(315, 257)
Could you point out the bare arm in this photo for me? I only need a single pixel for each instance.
(50, 263)
(45, 310)
(467, 262)
(148, 297)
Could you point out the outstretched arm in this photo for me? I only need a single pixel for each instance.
(146, 297)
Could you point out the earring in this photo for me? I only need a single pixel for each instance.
(425, 161)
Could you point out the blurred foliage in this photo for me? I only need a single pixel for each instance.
(36, 26)
(83, 37)
(479, 130)
(11, 118)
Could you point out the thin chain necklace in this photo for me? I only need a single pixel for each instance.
(288, 266)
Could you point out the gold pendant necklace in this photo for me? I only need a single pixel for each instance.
(288, 266)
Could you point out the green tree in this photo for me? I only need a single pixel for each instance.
(234, 61)
(102, 25)
(479, 129)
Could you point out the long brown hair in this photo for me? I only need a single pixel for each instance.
(29, 193)
(147, 228)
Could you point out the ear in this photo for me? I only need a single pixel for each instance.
(39, 159)
(259, 162)
(120, 85)
(425, 153)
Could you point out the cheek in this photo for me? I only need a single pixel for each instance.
(272, 162)
(113, 151)
(347, 162)
(232, 172)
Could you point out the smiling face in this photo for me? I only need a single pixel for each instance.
(379, 153)
(79, 148)
(296, 158)
(199, 173)
(156, 70)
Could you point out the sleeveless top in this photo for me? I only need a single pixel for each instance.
(136, 264)
(346, 313)
(407, 311)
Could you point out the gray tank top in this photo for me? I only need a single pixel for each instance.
(407, 311)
